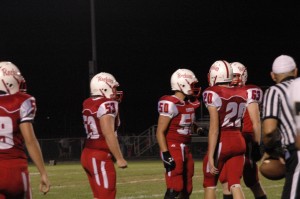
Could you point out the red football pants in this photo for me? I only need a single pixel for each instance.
(14, 179)
(101, 173)
(231, 149)
(180, 179)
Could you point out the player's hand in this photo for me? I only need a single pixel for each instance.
(212, 169)
(168, 160)
(44, 184)
(122, 163)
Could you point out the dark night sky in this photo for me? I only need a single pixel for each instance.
(141, 43)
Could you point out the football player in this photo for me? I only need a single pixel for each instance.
(226, 145)
(253, 154)
(101, 120)
(176, 117)
(17, 112)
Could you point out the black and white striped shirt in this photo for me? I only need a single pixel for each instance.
(276, 105)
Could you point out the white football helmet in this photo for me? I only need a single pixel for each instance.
(220, 72)
(105, 85)
(184, 80)
(10, 77)
(240, 69)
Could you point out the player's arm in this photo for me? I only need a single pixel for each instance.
(107, 123)
(253, 110)
(213, 137)
(35, 154)
(161, 131)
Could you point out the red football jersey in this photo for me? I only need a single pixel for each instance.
(14, 109)
(93, 109)
(182, 114)
(230, 102)
(255, 94)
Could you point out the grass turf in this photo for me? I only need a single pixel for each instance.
(142, 179)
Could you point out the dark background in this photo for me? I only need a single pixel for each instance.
(141, 43)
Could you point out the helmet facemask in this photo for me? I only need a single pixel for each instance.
(196, 89)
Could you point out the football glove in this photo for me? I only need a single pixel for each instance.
(256, 153)
(169, 162)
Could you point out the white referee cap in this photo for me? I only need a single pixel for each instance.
(283, 64)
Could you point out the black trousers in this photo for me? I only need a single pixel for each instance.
(291, 189)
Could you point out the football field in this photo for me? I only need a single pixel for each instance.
(142, 179)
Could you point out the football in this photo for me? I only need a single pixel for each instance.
(272, 169)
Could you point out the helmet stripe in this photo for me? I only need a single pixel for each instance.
(227, 70)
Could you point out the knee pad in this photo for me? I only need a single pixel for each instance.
(171, 194)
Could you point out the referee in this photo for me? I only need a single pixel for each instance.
(278, 126)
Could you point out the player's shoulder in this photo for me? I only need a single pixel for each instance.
(220, 92)
(170, 98)
(212, 88)
(252, 86)
(14, 102)
(97, 101)
(21, 97)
